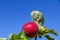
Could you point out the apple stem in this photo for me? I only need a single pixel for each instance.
(36, 38)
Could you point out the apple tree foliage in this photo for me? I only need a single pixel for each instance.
(38, 18)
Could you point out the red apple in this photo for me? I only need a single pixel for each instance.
(31, 29)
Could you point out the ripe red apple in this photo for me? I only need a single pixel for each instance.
(31, 29)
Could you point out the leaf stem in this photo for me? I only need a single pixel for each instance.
(36, 38)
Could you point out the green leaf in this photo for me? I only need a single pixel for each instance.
(49, 37)
(12, 36)
(52, 31)
(19, 36)
(42, 30)
(22, 36)
(3, 38)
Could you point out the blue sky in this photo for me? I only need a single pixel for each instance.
(15, 13)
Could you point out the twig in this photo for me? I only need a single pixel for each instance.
(36, 38)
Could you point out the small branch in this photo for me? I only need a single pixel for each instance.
(36, 38)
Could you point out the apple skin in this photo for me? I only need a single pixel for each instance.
(31, 29)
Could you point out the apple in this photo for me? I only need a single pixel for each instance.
(30, 29)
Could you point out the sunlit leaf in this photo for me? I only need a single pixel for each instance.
(22, 36)
(3, 38)
(12, 36)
